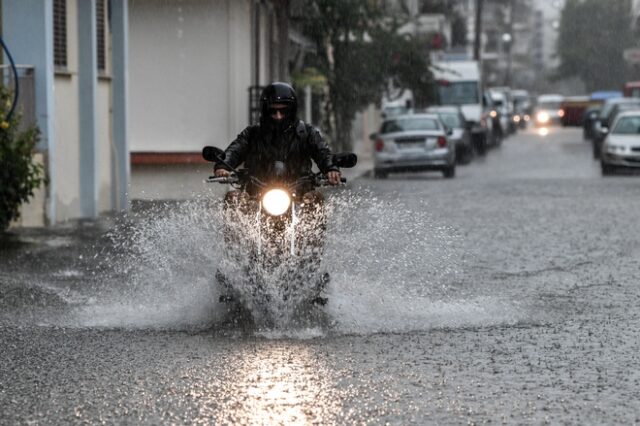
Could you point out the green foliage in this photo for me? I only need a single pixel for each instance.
(309, 77)
(593, 36)
(359, 52)
(19, 174)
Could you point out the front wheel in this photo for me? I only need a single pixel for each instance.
(607, 170)
(449, 172)
(596, 151)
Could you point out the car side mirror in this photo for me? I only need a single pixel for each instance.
(373, 136)
(449, 131)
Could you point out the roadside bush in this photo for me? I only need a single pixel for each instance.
(19, 174)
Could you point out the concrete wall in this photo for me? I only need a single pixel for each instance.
(190, 68)
(67, 131)
(105, 146)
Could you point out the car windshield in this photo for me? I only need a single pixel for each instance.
(395, 110)
(451, 119)
(406, 124)
(549, 105)
(627, 126)
(458, 93)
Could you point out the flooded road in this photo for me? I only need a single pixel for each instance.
(508, 294)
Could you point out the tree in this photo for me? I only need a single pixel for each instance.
(593, 50)
(359, 52)
(19, 175)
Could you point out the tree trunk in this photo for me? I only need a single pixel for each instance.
(282, 20)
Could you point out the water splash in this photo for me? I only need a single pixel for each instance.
(392, 268)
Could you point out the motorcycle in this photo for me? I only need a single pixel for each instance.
(273, 239)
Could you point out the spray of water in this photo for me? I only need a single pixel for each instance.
(390, 267)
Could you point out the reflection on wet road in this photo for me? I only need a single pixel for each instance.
(508, 294)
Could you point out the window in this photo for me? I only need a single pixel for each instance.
(407, 124)
(60, 33)
(458, 93)
(100, 36)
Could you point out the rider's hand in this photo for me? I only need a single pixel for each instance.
(334, 177)
(222, 173)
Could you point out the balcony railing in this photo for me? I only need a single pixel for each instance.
(26, 106)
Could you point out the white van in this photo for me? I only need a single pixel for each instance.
(460, 83)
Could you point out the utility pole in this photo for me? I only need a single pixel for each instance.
(477, 42)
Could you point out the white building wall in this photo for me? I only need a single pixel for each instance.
(67, 126)
(67, 131)
(105, 146)
(190, 67)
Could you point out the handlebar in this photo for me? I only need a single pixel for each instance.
(317, 180)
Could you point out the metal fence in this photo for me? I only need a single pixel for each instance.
(26, 106)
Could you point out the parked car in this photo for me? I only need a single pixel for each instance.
(508, 108)
(547, 111)
(414, 142)
(621, 146)
(491, 118)
(588, 122)
(607, 114)
(500, 113)
(522, 107)
(453, 119)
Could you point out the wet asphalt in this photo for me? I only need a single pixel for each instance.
(509, 294)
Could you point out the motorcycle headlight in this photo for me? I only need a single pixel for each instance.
(276, 201)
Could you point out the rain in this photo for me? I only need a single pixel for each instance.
(477, 263)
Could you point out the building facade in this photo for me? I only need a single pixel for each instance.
(127, 92)
(77, 49)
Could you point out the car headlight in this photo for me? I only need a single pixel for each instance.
(276, 201)
(542, 117)
(516, 118)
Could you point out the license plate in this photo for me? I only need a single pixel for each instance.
(411, 145)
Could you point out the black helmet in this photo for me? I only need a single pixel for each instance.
(278, 93)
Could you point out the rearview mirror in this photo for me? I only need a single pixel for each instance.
(212, 154)
(345, 159)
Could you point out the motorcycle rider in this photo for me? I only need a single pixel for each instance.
(280, 136)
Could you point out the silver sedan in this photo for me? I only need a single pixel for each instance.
(621, 147)
(413, 142)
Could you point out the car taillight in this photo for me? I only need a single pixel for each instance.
(379, 145)
(442, 141)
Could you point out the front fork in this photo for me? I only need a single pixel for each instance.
(290, 230)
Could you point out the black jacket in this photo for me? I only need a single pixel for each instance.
(296, 146)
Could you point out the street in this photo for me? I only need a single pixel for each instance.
(507, 294)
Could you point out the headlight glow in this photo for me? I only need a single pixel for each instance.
(516, 118)
(542, 117)
(276, 201)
